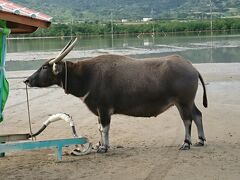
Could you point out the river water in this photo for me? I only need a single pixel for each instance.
(26, 54)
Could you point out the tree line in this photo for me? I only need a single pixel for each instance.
(160, 26)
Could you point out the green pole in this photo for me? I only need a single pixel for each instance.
(4, 86)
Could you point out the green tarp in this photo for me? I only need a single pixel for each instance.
(4, 87)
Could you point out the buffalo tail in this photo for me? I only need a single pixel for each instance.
(205, 101)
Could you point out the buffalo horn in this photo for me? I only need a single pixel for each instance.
(64, 51)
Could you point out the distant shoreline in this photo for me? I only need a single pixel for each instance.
(206, 33)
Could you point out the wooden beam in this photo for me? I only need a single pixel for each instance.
(24, 20)
(22, 31)
(17, 28)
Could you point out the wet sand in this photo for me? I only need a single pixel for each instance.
(149, 145)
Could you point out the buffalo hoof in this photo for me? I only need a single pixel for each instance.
(102, 149)
(185, 146)
(199, 144)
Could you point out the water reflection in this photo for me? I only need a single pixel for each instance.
(198, 49)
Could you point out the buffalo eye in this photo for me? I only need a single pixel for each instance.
(44, 67)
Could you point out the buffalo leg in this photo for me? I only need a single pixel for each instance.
(104, 126)
(197, 118)
(185, 113)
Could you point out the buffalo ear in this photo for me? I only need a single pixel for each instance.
(57, 68)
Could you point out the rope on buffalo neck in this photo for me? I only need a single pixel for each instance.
(66, 74)
(28, 109)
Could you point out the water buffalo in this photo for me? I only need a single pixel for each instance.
(113, 84)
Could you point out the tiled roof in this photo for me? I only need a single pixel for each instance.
(10, 7)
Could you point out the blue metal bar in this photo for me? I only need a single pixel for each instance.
(3, 153)
(58, 143)
(59, 153)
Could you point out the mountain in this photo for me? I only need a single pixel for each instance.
(100, 10)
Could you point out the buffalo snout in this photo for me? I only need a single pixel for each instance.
(27, 82)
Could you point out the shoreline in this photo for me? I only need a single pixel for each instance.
(84, 54)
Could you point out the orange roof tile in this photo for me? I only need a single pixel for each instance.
(10, 7)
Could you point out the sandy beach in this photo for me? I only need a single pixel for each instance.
(141, 148)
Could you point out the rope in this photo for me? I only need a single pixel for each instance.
(29, 118)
